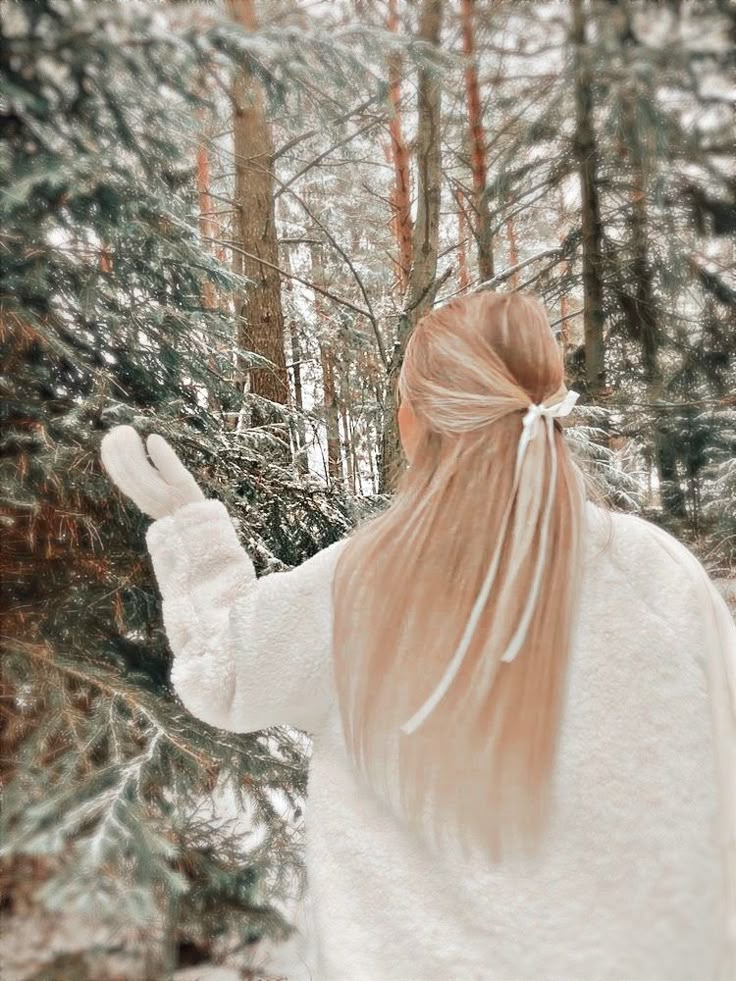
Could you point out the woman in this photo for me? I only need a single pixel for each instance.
(523, 706)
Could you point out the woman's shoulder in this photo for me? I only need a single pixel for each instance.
(322, 564)
(625, 536)
(310, 578)
(655, 568)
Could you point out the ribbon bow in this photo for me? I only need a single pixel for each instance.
(534, 413)
(538, 410)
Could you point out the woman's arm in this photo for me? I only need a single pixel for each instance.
(248, 653)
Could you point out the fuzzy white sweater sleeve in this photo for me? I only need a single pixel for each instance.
(248, 653)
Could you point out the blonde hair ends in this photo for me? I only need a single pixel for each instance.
(480, 768)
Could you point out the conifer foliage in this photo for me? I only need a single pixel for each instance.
(103, 322)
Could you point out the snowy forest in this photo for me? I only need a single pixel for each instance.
(221, 222)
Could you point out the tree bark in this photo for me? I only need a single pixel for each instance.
(300, 433)
(463, 275)
(260, 317)
(297, 426)
(401, 189)
(586, 152)
(564, 326)
(483, 230)
(334, 459)
(327, 361)
(347, 443)
(641, 308)
(513, 252)
(422, 278)
(207, 225)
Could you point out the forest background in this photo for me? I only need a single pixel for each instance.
(221, 222)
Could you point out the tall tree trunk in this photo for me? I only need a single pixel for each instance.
(207, 224)
(357, 479)
(641, 308)
(463, 275)
(642, 314)
(261, 320)
(370, 443)
(483, 231)
(327, 361)
(565, 326)
(345, 401)
(401, 189)
(347, 444)
(422, 283)
(300, 433)
(586, 151)
(566, 313)
(334, 459)
(513, 252)
(297, 426)
(209, 228)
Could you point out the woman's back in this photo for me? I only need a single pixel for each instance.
(493, 652)
(630, 881)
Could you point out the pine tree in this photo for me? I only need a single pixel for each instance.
(104, 319)
(633, 99)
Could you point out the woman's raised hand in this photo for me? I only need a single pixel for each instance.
(158, 486)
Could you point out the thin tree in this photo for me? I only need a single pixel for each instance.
(261, 319)
(463, 274)
(327, 362)
(297, 424)
(640, 305)
(399, 154)
(483, 229)
(586, 153)
(422, 284)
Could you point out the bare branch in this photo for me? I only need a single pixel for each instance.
(290, 144)
(234, 247)
(501, 277)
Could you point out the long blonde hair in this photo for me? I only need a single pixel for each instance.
(481, 766)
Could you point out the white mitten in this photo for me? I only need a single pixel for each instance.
(158, 488)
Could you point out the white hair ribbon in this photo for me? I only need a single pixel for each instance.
(534, 413)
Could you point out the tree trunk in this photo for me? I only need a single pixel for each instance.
(641, 308)
(300, 433)
(297, 427)
(207, 225)
(334, 459)
(586, 152)
(327, 361)
(463, 276)
(513, 253)
(261, 320)
(564, 326)
(483, 231)
(422, 278)
(641, 313)
(401, 189)
(209, 228)
(347, 445)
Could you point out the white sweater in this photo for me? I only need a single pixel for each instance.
(638, 876)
